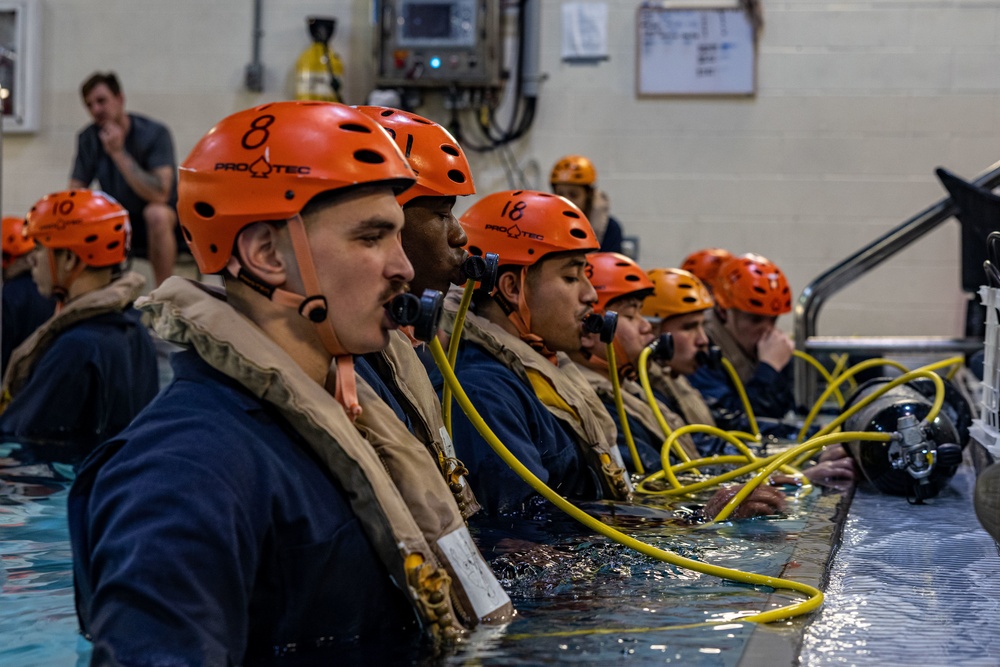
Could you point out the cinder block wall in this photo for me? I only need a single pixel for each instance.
(858, 101)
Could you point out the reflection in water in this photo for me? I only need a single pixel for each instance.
(579, 597)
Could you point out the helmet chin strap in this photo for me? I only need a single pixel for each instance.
(60, 290)
(520, 317)
(314, 308)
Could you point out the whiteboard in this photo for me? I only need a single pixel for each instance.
(695, 52)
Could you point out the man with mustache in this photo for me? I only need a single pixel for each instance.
(267, 505)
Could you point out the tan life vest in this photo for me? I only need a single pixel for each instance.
(114, 297)
(689, 400)
(403, 369)
(394, 488)
(636, 407)
(744, 364)
(564, 393)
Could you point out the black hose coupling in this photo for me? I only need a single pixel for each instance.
(482, 269)
(711, 358)
(661, 350)
(605, 325)
(422, 313)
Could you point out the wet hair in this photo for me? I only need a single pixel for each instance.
(109, 79)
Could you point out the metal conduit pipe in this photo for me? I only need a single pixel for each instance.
(806, 311)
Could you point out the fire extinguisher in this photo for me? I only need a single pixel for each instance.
(318, 70)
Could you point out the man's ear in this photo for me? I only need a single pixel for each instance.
(509, 287)
(262, 249)
(722, 314)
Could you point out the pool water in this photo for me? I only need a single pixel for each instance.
(580, 598)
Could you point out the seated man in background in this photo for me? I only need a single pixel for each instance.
(24, 308)
(82, 376)
(622, 287)
(575, 178)
(513, 360)
(750, 294)
(132, 158)
(678, 306)
(264, 508)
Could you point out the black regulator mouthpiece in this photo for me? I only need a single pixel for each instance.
(662, 349)
(710, 359)
(605, 325)
(482, 269)
(422, 313)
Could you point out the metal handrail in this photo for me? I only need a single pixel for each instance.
(864, 260)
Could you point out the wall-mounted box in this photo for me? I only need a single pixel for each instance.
(20, 64)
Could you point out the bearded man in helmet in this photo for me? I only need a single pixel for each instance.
(268, 504)
(85, 373)
(24, 308)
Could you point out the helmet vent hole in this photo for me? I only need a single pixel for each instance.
(204, 209)
(759, 290)
(632, 279)
(113, 245)
(517, 194)
(689, 299)
(449, 149)
(422, 121)
(475, 250)
(578, 233)
(368, 157)
(531, 251)
(387, 113)
(90, 239)
(118, 227)
(355, 127)
(574, 214)
(187, 234)
(757, 302)
(456, 176)
(213, 248)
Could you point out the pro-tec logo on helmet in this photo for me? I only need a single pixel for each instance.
(515, 232)
(261, 168)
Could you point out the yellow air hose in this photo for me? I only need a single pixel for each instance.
(814, 596)
(741, 390)
(620, 407)
(456, 336)
(812, 361)
(654, 404)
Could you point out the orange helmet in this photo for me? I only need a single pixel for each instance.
(15, 244)
(266, 163)
(523, 226)
(615, 276)
(705, 263)
(753, 284)
(676, 292)
(574, 169)
(436, 158)
(88, 222)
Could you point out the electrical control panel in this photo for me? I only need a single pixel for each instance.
(438, 43)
